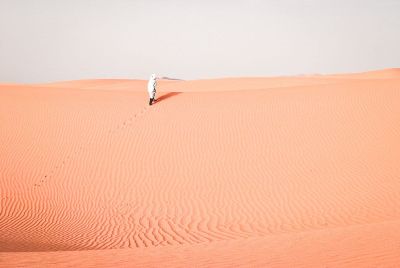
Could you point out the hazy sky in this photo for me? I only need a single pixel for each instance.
(49, 40)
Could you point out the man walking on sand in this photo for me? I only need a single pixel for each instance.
(151, 88)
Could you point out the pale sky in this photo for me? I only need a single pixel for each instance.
(51, 40)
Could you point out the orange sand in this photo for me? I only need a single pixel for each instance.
(236, 172)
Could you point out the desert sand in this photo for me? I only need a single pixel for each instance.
(236, 172)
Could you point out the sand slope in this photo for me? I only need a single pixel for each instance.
(273, 172)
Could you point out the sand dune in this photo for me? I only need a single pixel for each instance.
(268, 172)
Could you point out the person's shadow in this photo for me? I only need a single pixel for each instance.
(166, 96)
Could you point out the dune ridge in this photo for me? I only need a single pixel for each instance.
(223, 170)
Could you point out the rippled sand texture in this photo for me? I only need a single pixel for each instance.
(269, 172)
